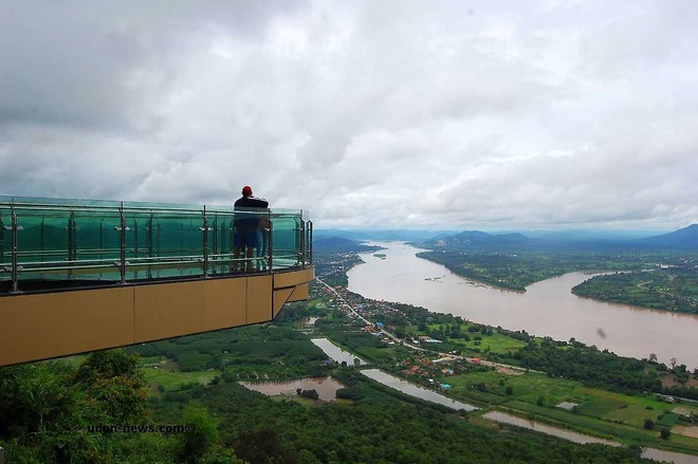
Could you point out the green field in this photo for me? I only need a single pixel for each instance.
(600, 413)
(527, 387)
(173, 380)
(375, 354)
(496, 343)
(601, 428)
(150, 360)
(75, 360)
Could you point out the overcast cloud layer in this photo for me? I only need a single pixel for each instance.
(455, 114)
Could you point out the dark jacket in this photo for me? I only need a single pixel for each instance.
(248, 221)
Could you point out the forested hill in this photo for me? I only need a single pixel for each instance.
(682, 238)
(477, 239)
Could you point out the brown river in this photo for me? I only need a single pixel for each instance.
(546, 308)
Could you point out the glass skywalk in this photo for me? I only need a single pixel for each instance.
(49, 244)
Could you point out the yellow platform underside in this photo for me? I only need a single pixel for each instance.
(49, 325)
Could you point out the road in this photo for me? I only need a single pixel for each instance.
(504, 368)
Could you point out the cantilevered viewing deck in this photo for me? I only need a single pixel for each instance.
(78, 276)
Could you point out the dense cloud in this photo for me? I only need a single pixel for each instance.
(392, 114)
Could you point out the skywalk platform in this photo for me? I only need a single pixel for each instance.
(79, 276)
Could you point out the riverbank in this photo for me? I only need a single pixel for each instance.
(673, 284)
(548, 308)
(663, 289)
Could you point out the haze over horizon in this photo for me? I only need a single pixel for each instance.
(458, 115)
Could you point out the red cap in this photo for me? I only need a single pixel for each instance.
(247, 190)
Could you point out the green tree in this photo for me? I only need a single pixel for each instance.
(311, 394)
(201, 434)
(264, 446)
(45, 415)
(113, 379)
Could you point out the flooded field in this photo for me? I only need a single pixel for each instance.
(336, 353)
(326, 387)
(415, 390)
(575, 437)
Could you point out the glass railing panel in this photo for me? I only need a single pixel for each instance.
(96, 244)
(286, 240)
(163, 244)
(221, 222)
(5, 244)
(59, 244)
(140, 245)
(44, 244)
(220, 242)
(85, 240)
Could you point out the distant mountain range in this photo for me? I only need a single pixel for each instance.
(682, 238)
(686, 238)
(347, 240)
(477, 238)
(340, 245)
(380, 235)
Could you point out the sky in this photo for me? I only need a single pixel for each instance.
(370, 114)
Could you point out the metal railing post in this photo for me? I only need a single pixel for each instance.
(149, 242)
(72, 236)
(42, 235)
(149, 235)
(215, 234)
(135, 237)
(302, 250)
(158, 236)
(231, 239)
(72, 253)
(271, 245)
(101, 238)
(122, 264)
(205, 230)
(15, 283)
(223, 228)
(310, 241)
